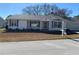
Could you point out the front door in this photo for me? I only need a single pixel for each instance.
(45, 25)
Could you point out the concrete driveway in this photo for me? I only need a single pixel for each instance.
(47, 47)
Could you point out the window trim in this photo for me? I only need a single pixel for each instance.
(56, 25)
(15, 23)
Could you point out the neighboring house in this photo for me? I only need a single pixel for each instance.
(2, 22)
(73, 24)
(48, 22)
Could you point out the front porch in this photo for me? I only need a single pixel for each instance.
(44, 25)
(35, 25)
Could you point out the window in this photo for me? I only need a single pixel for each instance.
(52, 24)
(34, 23)
(56, 24)
(13, 23)
(45, 24)
(59, 24)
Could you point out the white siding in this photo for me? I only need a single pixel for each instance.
(22, 24)
(12, 27)
(73, 25)
(50, 25)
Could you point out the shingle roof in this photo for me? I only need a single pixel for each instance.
(33, 17)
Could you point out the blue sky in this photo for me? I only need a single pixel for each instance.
(16, 8)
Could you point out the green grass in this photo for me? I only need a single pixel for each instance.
(2, 30)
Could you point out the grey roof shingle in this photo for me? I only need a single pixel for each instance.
(33, 17)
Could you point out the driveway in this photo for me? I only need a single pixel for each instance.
(46, 47)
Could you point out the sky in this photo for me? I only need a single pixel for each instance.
(16, 8)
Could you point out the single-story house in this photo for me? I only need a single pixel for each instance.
(40, 22)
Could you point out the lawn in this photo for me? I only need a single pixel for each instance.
(31, 36)
(2, 30)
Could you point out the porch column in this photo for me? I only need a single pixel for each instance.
(63, 28)
(28, 24)
(50, 25)
(8, 22)
(41, 25)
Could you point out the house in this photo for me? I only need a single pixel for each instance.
(73, 24)
(36, 22)
(2, 22)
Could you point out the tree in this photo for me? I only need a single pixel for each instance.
(77, 16)
(9, 15)
(41, 9)
(45, 9)
(63, 13)
(35, 10)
